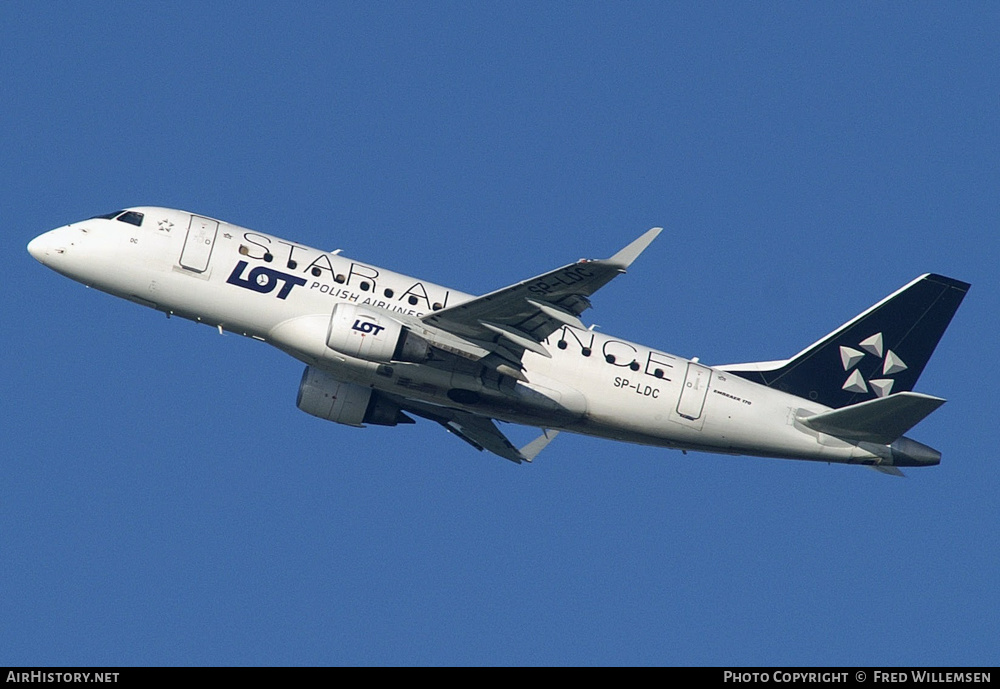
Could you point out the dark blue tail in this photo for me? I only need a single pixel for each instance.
(882, 351)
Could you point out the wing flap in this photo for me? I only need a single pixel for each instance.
(518, 337)
(558, 314)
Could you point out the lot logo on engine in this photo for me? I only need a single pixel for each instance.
(367, 327)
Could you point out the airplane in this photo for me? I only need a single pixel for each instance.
(380, 347)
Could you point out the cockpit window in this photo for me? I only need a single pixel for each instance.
(131, 217)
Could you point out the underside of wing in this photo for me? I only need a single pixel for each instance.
(479, 431)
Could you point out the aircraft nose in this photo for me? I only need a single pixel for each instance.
(44, 245)
(36, 247)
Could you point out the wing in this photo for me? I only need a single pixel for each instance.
(518, 318)
(479, 431)
(496, 329)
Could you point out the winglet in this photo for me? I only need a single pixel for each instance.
(623, 259)
(531, 450)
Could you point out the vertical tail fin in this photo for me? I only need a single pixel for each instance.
(879, 352)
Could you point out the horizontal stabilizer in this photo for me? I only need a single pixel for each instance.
(880, 420)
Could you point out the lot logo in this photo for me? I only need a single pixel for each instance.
(366, 327)
(264, 280)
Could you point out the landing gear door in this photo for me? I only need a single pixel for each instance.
(198, 243)
(692, 399)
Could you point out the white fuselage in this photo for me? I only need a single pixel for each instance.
(282, 293)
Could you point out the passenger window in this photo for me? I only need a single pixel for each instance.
(132, 217)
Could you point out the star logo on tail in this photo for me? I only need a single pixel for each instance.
(891, 364)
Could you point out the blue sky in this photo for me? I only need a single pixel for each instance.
(162, 501)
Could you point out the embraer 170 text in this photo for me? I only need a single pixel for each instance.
(379, 346)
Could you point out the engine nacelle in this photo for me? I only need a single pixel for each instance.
(373, 336)
(322, 395)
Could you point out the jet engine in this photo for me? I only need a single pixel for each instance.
(322, 395)
(373, 336)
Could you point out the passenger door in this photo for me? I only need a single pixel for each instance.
(199, 243)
